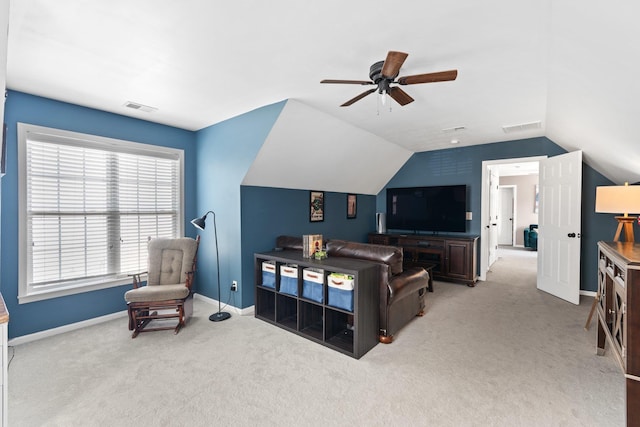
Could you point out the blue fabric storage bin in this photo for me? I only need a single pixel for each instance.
(341, 298)
(268, 274)
(313, 284)
(340, 291)
(289, 279)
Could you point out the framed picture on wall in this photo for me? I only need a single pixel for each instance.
(316, 206)
(352, 200)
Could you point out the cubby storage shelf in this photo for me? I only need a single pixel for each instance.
(350, 332)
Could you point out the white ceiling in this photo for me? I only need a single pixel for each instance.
(570, 64)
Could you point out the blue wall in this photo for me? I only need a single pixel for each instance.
(21, 107)
(270, 212)
(225, 152)
(463, 165)
(248, 218)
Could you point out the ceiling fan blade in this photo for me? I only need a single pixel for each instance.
(358, 98)
(441, 76)
(400, 96)
(392, 64)
(348, 82)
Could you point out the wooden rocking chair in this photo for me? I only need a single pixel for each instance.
(171, 265)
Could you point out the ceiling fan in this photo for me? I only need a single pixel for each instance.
(384, 73)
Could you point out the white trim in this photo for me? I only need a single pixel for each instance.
(484, 206)
(248, 311)
(27, 294)
(66, 328)
(588, 293)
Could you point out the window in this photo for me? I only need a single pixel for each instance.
(87, 206)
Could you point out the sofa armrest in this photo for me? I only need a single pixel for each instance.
(406, 283)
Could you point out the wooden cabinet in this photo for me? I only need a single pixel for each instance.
(453, 258)
(618, 311)
(352, 332)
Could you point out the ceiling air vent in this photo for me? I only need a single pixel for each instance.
(140, 107)
(522, 127)
(454, 129)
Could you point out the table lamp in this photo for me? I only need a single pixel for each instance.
(620, 199)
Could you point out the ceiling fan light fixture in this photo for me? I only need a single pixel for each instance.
(383, 97)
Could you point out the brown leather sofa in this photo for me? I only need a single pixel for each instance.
(402, 292)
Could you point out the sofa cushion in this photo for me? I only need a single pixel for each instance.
(390, 255)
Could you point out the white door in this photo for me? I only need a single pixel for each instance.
(505, 217)
(559, 226)
(494, 179)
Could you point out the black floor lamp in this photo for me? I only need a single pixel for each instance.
(200, 223)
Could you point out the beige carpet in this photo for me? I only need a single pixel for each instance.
(499, 354)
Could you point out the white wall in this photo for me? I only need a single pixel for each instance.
(4, 37)
(526, 188)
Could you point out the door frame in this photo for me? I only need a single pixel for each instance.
(484, 207)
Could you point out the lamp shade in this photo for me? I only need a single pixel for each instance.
(618, 199)
(199, 222)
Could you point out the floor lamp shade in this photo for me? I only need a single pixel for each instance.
(620, 199)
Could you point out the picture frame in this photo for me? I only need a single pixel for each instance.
(352, 206)
(316, 206)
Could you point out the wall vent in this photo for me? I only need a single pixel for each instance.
(522, 127)
(136, 106)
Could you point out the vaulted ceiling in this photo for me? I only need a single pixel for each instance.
(568, 65)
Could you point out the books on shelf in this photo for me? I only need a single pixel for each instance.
(310, 244)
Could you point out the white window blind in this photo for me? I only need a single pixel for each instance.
(90, 205)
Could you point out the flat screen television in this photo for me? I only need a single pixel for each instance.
(437, 209)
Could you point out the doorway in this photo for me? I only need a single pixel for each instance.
(507, 172)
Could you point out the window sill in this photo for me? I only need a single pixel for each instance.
(78, 288)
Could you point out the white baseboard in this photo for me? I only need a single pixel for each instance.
(588, 293)
(66, 328)
(248, 311)
(97, 320)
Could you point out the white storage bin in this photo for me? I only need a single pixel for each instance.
(289, 279)
(340, 291)
(269, 274)
(313, 284)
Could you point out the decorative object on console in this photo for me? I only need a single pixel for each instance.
(316, 206)
(199, 223)
(381, 223)
(311, 243)
(620, 199)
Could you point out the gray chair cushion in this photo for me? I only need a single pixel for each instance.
(170, 260)
(157, 293)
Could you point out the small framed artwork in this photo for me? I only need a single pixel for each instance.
(316, 206)
(352, 205)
